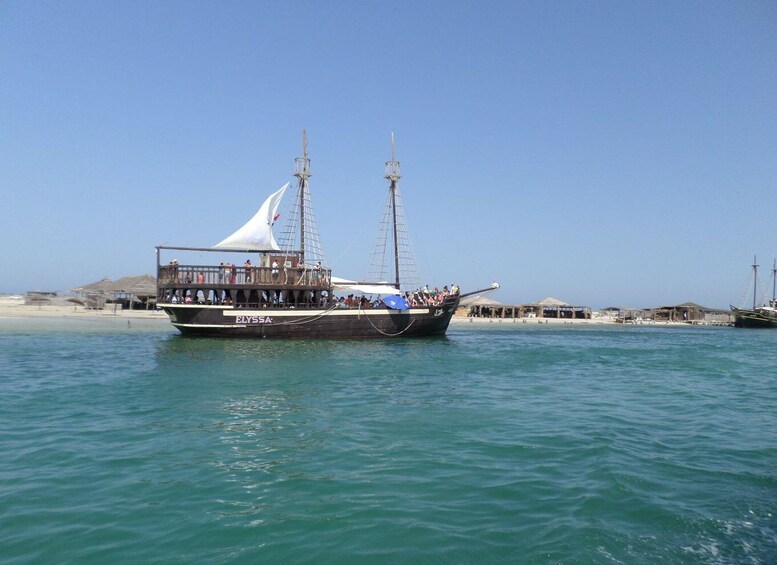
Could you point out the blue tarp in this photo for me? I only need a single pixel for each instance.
(396, 303)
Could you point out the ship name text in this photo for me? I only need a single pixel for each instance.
(253, 320)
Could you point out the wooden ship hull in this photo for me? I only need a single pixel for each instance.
(754, 318)
(313, 323)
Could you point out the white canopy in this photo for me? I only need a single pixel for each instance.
(344, 285)
(256, 234)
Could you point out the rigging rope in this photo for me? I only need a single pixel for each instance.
(307, 320)
(377, 329)
(315, 317)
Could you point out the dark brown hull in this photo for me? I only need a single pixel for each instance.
(753, 319)
(332, 323)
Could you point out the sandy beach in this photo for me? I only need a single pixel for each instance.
(14, 307)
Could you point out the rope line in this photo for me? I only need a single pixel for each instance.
(316, 317)
(377, 329)
(307, 320)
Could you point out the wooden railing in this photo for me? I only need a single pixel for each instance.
(193, 275)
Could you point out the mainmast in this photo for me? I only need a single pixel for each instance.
(774, 282)
(394, 227)
(302, 172)
(392, 174)
(755, 278)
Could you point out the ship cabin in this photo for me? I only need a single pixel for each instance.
(270, 280)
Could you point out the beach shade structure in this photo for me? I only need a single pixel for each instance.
(37, 299)
(549, 301)
(102, 286)
(126, 290)
(477, 301)
(76, 302)
(142, 285)
(134, 290)
(478, 305)
(554, 308)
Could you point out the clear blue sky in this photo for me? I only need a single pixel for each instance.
(597, 152)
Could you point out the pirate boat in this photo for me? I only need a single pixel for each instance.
(290, 292)
(763, 316)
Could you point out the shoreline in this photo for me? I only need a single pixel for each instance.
(15, 308)
(459, 321)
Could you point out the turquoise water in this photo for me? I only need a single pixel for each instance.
(518, 444)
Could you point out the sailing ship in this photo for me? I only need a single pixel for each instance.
(291, 293)
(764, 316)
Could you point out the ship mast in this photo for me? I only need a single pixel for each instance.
(393, 226)
(392, 174)
(774, 281)
(755, 278)
(302, 172)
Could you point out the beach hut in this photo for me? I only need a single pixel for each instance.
(134, 292)
(101, 286)
(95, 294)
(482, 307)
(626, 314)
(477, 306)
(553, 308)
(691, 313)
(129, 292)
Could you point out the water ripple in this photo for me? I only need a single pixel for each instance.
(512, 444)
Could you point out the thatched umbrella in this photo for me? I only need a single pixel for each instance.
(39, 300)
(76, 302)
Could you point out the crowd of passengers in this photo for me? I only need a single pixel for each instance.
(417, 298)
(231, 274)
(426, 297)
(247, 274)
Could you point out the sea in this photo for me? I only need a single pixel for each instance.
(124, 442)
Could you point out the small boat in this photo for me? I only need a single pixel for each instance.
(290, 292)
(764, 316)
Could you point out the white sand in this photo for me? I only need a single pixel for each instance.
(14, 307)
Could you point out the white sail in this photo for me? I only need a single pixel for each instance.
(256, 234)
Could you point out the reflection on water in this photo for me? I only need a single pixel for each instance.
(260, 433)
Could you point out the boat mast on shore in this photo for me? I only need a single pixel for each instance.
(758, 316)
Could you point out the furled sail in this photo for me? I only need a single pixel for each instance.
(256, 234)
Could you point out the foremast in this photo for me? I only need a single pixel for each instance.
(301, 235)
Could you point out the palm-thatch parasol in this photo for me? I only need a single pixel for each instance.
(76, 302)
